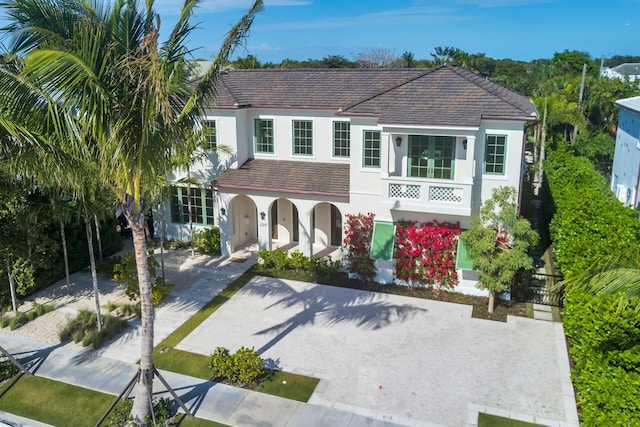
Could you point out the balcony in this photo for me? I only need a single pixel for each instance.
(427, 195)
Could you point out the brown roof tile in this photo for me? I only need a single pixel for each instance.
(446, 95)
(285, 176)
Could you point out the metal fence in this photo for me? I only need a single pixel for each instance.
(537, 288)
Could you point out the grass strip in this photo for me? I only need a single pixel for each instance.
(488, 420)
(62, 404)
(53, 402)
(289, 386)
(183, 421)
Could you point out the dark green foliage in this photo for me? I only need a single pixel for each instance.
(590, 224)
(126, 274)
(605, 347)
(313, 269)
(83, 329)
(163, 410)
(207, 241)
(245, 366)
(7, 369)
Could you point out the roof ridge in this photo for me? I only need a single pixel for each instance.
(428, 71)
(464, 73)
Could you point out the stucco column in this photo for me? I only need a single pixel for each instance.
(222, 205)
(470, 159)
(304, 230)
(264, 228)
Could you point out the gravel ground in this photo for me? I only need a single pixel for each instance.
(67, 304)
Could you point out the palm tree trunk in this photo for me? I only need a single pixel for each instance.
(95, 219)
(12, 284)
(144, 390)
(94, 273)
(193, 250)
(65, 255)
(63, 239)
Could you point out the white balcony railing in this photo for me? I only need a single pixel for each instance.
(429, 196)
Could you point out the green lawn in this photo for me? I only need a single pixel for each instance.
(62, 404)
(487, 420)
(53, 402)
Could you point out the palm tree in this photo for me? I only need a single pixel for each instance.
(613, 275)
(130, 94)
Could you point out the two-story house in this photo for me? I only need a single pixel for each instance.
(310, 146)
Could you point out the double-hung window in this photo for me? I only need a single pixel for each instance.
(495, 154)
(371, 148)
(341, 139)
(211, 139)
(201, 205)
(263, 136)
(303, 137)
(431, 156)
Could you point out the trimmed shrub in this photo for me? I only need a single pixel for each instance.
(7, 369)
(207, 241)
(245, 366)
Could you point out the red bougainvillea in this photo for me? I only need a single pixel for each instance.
(357, 243)
(426, 253)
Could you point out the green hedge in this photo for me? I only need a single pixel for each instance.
(590, 223)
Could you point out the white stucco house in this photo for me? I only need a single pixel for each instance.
(310, 146)
(629, 71)
(625, 174)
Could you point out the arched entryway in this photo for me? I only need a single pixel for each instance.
(243, 222)
(326, 225)
(284, 222)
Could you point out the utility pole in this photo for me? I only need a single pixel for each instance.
(584, 76)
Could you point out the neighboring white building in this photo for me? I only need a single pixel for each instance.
(625, 175)
(629, 71)
(310, 146)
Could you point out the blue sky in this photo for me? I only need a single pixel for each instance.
(516, 29)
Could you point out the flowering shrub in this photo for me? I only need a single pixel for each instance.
(357, 242)
(426, 253)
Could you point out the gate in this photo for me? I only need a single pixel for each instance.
(537, 288)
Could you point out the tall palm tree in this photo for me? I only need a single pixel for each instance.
(105, 66)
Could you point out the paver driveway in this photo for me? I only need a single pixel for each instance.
(394, 356)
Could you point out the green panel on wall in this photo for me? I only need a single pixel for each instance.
(384, 234)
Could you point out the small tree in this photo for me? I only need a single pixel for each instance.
(498, 241)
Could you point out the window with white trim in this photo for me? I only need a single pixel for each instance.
(201, 205)
(303, 137)
(495, 154)
(211, 139)
(341, 139)
(371, 148)
(431, 156)
(263, 136)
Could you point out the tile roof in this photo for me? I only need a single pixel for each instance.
(446, 95)
(285, 176)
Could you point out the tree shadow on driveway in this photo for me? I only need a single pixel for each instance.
(328, 306)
